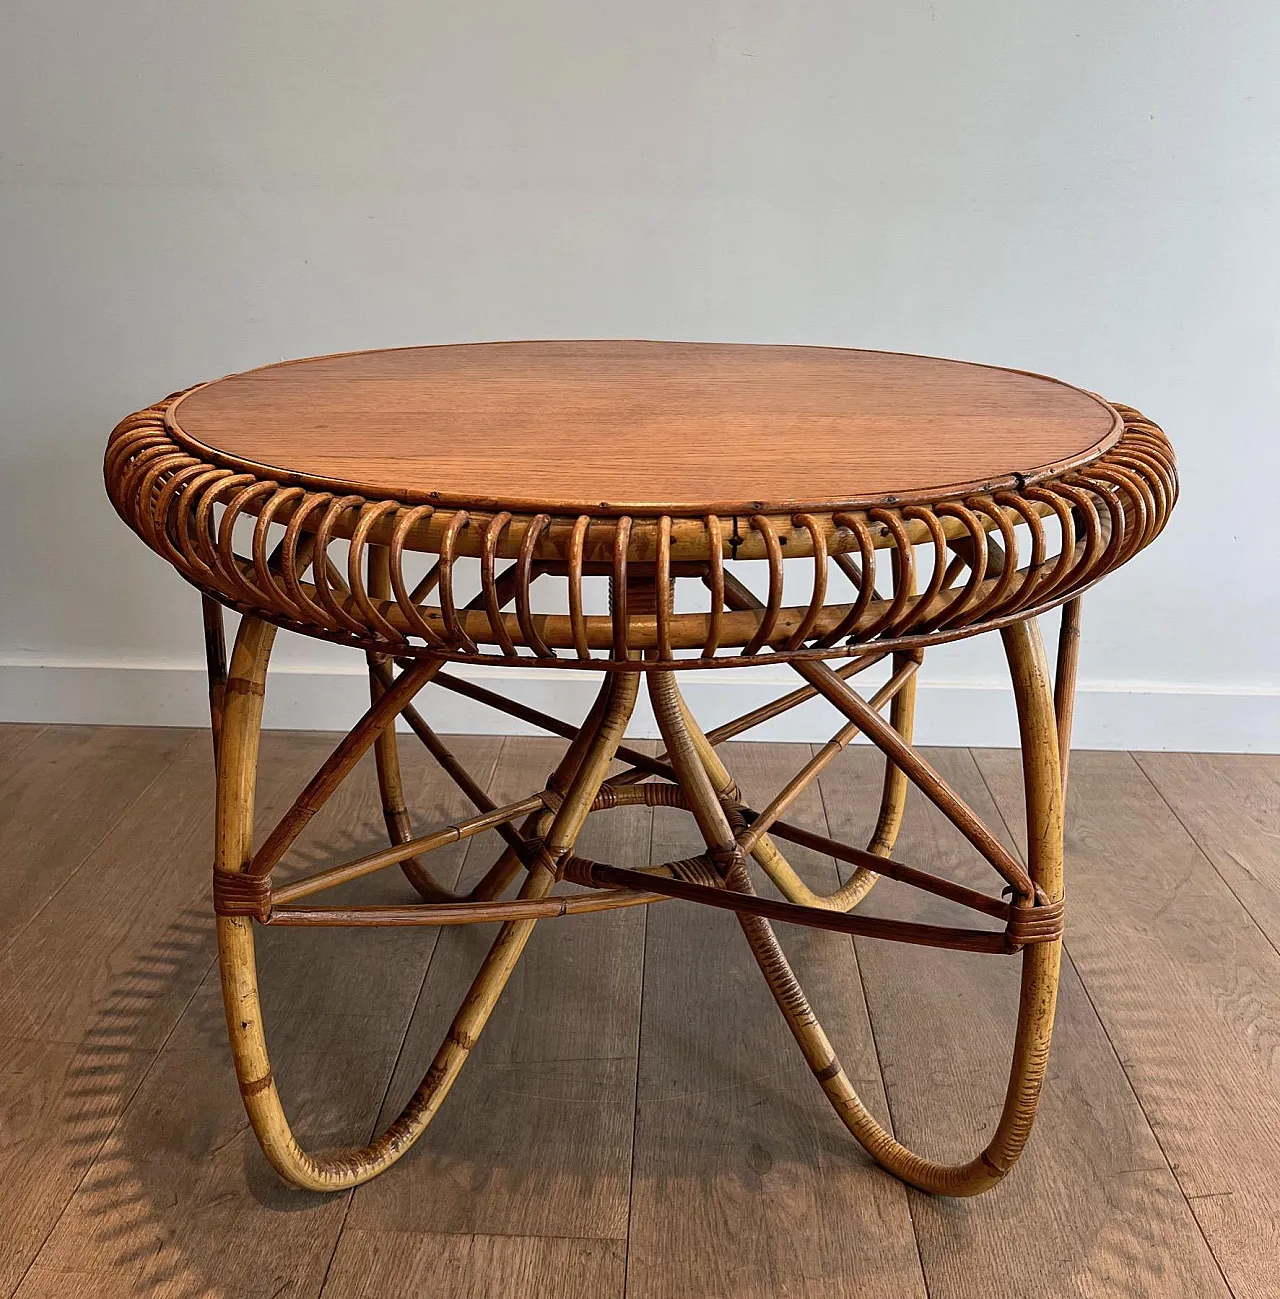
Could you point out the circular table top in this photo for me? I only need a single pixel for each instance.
(641, 426)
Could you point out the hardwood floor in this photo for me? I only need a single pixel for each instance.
(635, 1121)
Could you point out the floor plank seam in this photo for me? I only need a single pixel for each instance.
(635, 1106)
(408, 1026)
(1204, 852)
(875, 1047)
(97, 843)
(435, 1233)
(1102, 1023)
(337, 1240)
(1155, 1136)
(386, 1091)
(192, 904)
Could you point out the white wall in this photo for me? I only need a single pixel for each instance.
(1084, 188)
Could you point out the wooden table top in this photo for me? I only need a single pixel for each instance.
(585, 426)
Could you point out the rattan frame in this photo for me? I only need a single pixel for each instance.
(954, 570)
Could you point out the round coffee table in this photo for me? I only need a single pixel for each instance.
(409, 503)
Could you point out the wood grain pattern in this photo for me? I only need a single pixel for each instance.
(374, 1264)
(48, 835)
(1230, 805)
(1189, 990)
(64, 967)
(636, 425)
(58, 1102)
(1094, 1179)
(14, 738)
(744, 1184)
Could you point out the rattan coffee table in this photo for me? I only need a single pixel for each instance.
(412, 503)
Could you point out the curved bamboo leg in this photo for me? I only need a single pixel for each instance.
(768, 855)
(1038, 995)
(340, 1169)
(893, 797)
(215, 654)
(386, 756)
(1064, 679)
(508, 865)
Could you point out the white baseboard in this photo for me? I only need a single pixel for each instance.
(1108, 715)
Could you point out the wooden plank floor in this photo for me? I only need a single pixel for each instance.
(635, 1122)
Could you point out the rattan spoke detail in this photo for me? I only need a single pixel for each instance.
(956, 566)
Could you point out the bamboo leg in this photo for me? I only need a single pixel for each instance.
(893, 798)
(902, 712)
(237, 766)
(508, 865)
(1040, 961)
(215, 654)
(766, 852)
(1064, 680)
(386, 755)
